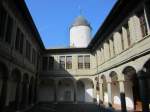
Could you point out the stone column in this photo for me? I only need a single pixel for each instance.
(101, 91)
(122, 96)
(3, 96)
(25, 91)
(27, 95)
(144, 94)
(94, 92)
(18, 95)
(75, 92)
(109, 89)
(55, 91)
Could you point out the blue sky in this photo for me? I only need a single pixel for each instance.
(54, 17)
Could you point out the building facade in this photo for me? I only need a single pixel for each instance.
(113, 69)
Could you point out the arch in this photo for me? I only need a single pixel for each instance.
(147, 66)
(25, 90)
(46, 91)
(80, 91)
(15, 75)
(89, 89)
(66, 90)
(31, 90)
(131, 88)
(3, 71)
(15, 79)
(104, 89)
(115, 90)
(3, 83)
(129, 73)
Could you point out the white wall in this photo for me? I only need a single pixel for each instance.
(80, 36)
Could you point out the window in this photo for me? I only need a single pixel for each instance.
(3, 16)
(28, 50)
(87, 61)
(80, 62)
(68, 62)
(51, 63)
(33, 56)
(128, 34)
(143, 23)
(19, 41)
(122, 41)
(9, 30)
(62, 61)
(44, 63)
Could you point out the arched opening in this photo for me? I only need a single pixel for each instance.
(3, 84)
(115, 90)
(25, 90)
(66, 90)
(88, 89)
(15, 92)
(31, 90)
(132, 89)
(146, 80)
(104, 89)
(46, 91)
(80, 91)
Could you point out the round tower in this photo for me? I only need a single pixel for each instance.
(80, 33)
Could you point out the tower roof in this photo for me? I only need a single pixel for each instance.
(80, 21)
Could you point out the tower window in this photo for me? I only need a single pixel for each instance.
(62, 62)
(3, 16)
(80, 62)
(45, 63)
(143, 23)
(87, 61)
(68, 62)
(51, 63)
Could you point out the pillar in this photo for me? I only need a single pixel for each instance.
(101, 91)
(3, 96)
(94, 92)
(122, 96)
(109, 89)
(75, 92)
(55, 91)
(144, 94)
(18, 96)
(25, 91)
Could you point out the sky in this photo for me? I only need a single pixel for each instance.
(54, 17)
